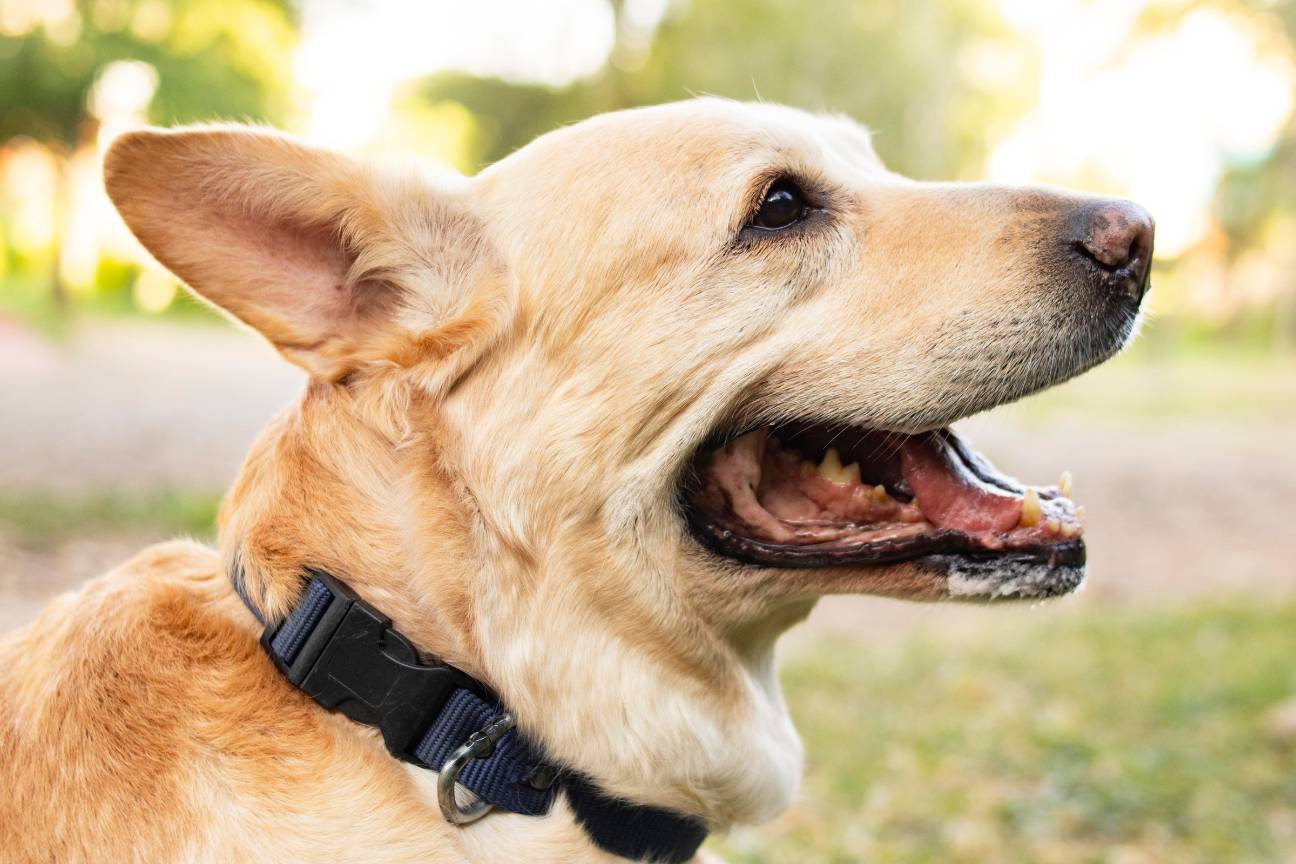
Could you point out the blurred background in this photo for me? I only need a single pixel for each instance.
(1146, 719)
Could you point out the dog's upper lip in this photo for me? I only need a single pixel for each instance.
(867, 497)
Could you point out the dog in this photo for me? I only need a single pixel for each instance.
(584, 433)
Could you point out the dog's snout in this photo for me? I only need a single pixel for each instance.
(1118, 236)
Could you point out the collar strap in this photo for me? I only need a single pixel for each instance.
(345, 655)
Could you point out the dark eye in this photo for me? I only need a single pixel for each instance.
(784, 204)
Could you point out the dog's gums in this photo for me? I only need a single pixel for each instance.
(813, 494)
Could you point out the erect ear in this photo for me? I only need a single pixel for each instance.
(336, 262)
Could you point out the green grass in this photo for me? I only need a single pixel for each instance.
(1149, 387)
(43, 518)
(1113, 737)
(1123, 737)
(32, 301)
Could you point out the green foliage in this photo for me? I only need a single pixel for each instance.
(30, 300)
(1250, 192)
(903, 66)
(214, 58)
(937, 80)
(1101, 736)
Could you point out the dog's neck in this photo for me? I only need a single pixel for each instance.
(697, 726)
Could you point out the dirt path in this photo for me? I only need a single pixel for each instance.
(1180, 506)
(134, 405)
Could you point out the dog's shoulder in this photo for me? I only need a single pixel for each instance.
(102, 698)
(140, 720)
(127, 608)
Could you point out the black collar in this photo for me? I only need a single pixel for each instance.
(345, 655)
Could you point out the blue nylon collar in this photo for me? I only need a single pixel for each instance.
(345, 655)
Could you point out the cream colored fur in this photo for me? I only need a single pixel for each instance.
(509, 374)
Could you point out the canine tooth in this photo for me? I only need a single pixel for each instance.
(1064, 484)
(1053, 526)
(831, 468)
(1031, 511)
(851, 474)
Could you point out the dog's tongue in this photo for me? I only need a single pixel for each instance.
(949, 494)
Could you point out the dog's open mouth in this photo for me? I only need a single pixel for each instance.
(810, 495)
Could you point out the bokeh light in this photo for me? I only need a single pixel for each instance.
(1183, 106)
(1154, 117)
(1129, 724)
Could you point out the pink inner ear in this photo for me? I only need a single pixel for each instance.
(250, 222)
(294, 276)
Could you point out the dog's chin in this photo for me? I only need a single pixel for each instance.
(846, 509)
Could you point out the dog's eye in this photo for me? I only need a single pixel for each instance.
(783, 205)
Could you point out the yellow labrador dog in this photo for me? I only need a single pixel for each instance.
(583, 435)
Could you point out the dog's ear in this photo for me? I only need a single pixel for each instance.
(338, 263)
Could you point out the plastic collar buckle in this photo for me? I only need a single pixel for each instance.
(352, 661)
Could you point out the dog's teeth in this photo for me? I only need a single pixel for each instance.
(1072, 530)
(1053, 526)
(831, 468)
(1064, 484)
(880, 494)
(1031, 511)
(851, 474)
(1080, 515)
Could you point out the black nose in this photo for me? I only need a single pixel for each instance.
(1117, 236)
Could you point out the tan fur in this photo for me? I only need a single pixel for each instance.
(509, 374)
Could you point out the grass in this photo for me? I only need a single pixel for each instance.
(1152, 388)
(44, 518)
(1126, 737)
(1133, 736)
(32, 301)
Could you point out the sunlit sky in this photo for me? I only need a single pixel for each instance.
(1157, 123)
(353, 56)
(1156, 118)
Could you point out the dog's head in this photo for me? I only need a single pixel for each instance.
(643, 389)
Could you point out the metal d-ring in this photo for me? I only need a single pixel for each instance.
(479, 745)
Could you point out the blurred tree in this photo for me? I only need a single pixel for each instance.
(212, 58)
(1253, 191)
(935, 80)
(66, 67)
(1256, 197)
